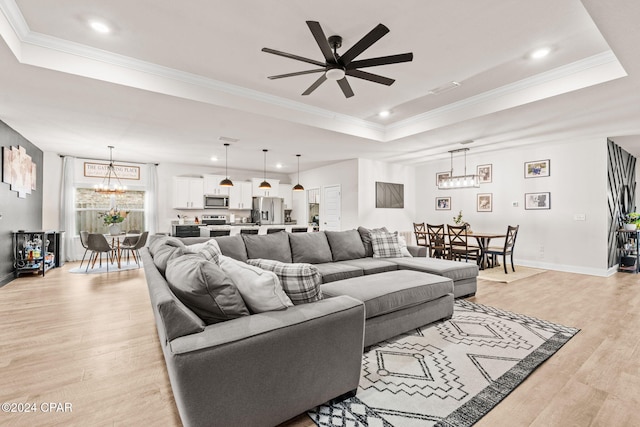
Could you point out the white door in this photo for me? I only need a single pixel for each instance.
(330, 221)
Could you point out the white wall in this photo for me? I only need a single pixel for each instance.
(51, 188)
(343, 173)
(370, 172)
(547, 238)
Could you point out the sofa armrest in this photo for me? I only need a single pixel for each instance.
(247, 370)
(417, 251)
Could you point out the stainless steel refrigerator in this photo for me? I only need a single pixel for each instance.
(268, 210)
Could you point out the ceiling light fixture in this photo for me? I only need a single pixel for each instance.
(226, 182)
(264, 185)
(100, 27)
(540, 53)
(335, 73)
(107, 187)
(298, 186)
(384, 113)
(461, 181)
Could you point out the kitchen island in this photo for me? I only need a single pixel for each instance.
(213, 230)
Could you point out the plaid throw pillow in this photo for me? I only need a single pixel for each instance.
(385, 245)
(209, 250)
(300, 281)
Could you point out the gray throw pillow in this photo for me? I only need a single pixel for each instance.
(159, 240)
(267, 246)
(345, 245)
(365, 235)
(205, 289)
(164, 254)
(311, 248)
(233, 247)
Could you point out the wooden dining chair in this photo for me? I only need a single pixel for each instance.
(507, 249)
(458, 245)
(437, 241)
(420, 231)
(98, 245)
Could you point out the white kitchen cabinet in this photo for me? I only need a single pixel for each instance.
(188, 192)
(212, 186)
(240, 195)
(286, 192)
(272, 192)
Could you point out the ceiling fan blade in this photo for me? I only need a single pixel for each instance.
(371, 77)
(382, 60)
(299, 73)
(292, 56)
(315, 85)
(321, 39)
(369, 39)
(346, 87)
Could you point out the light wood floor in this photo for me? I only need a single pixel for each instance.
(90, 340)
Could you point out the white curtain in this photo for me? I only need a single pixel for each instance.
(151, 202)
(67, 212)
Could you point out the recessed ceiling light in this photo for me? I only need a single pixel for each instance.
(214, 159)
(540, 53)
(279, 165)
(99, 27)
(384, 113)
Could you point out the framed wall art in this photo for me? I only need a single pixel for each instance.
(485, 172)
(536, 201)
(484, 202)
(389, 195)
(537, 168)
(443, 203)
(440, 176)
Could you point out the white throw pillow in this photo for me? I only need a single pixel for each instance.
(402, 242)
(260, 289)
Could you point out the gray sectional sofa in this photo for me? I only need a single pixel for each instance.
(264, 368)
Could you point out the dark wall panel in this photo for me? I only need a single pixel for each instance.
(17, 214)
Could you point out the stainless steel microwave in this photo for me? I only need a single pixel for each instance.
(216, 202)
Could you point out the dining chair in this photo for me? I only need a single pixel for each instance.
(437, 241)
(135, 248)
(420, 230)
(459, 246)
(98, 245)
(507, 249)
(131, 240)
(83, 241)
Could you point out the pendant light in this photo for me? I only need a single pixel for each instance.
(264, 185)
(226, 182)
(461, 181)
(298, 186)
(107, 187)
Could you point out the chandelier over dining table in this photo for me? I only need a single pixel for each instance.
(459, 181)
(107, 186)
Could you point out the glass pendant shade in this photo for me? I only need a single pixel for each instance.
(226, 182)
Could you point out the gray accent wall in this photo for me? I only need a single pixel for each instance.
(621, 189)
(17, 214)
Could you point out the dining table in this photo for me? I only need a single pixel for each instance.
(117, 239)
(483, 239)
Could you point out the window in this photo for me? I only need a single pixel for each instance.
(89, 204)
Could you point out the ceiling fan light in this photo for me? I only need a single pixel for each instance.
(298, 187)
(335, 74)
(264, 185)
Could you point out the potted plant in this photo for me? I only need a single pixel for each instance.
(113, 218)
(631, 221)
(459, 221)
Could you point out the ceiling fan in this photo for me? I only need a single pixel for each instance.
(337, 67)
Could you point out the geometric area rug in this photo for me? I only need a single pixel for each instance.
(450, 373)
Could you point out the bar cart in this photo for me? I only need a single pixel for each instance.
(34, 251)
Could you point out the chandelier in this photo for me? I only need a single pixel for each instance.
(460, 181)
(107, 187)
